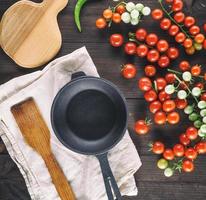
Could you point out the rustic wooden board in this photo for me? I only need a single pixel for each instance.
(151, 183)
(29, 32)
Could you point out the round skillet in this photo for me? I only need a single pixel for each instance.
(89, 116)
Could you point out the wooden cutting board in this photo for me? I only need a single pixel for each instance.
(29, 32)
(37, 135)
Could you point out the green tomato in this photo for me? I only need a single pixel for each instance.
(203, 128)
(188, 110)
(197, 124)
(162, 163)
(182, 94)
(126, 17)
(201, 134)
(170, 89)
(168, 172)
(198, 46)
(203, 112)
(134, 21)
(193, 117)
(146, 11)
(130, 6)
(204, 119)
(196, 91)
(202, 104)
(135, 14)
(187, 76)
(139, 6)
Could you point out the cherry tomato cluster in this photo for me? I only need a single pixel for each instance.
(160, 103)
(182, 27)
(148, 45)
(182, 155)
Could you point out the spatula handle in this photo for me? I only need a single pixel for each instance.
(58, 178)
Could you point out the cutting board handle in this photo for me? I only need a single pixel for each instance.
(57, 4)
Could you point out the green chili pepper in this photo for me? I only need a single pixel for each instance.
(77, 12)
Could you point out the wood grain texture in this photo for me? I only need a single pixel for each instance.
(151, 182)
(29, 32)
(37, 135)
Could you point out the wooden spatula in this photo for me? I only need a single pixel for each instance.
(37, 135)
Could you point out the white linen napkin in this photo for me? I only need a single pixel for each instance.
(83, 172)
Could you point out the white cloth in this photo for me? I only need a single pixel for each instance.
(83, 172)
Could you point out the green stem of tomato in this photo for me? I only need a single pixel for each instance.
(173, 20)
(177, 78)
(174, 71)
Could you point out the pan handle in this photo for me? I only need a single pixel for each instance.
(78, 75)
(109, 180)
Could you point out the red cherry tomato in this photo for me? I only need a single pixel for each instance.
(150, 96)
(189, 21)
(188, 43)
(180, 37)
(183, 85)
(168, 154)
(130, 48)
(163, 96)
(158, 147)
(194, 30)
(160, 118)
(177, 5)
(191, 154)
(200, 85)
(204, 27)
(141, 34)
(162, 45)
(150, 70)
(163, 61)
(173, 30)
(196, 70)
(142, 50)
(120, 9)
(129, 71)
(179, 150)
(141, 127)
(157, 14)
(116, 40)
(151, 39)
(184, 139)
(165, 24)
(192, 133)
(145, 84)
(181, 103)
(153, 55)
(169, 1)
(203, 96)
(155, 106)
(168, 105)
(173, 118)
(187, 166)
(199, 38)
(184, 65)
(173, 53)
(201, 147)
(160, 83)
(179, 17)
(170, 78)
(204, 44)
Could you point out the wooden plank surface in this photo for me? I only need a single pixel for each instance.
(151, 183)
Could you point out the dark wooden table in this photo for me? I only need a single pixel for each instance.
(151, 182)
